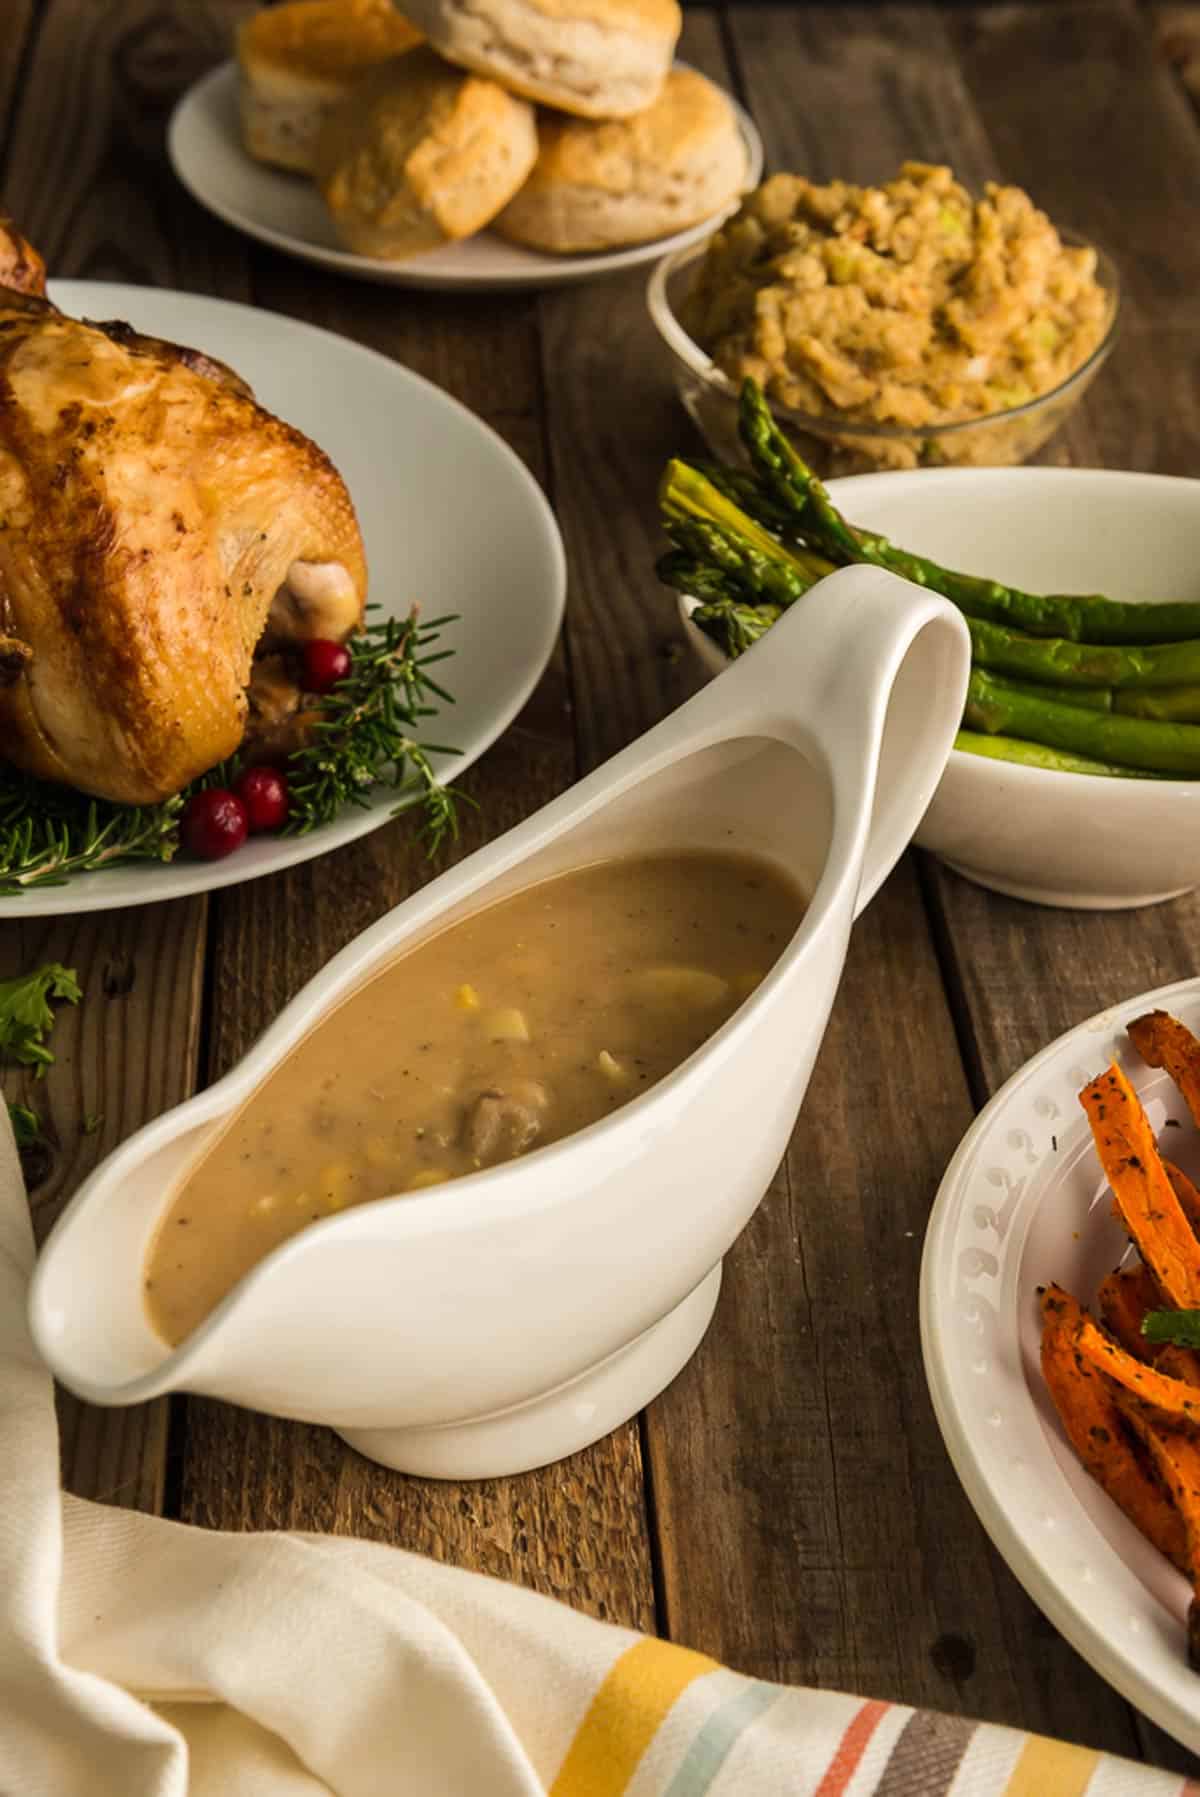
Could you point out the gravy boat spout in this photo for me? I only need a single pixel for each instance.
(507, 1318)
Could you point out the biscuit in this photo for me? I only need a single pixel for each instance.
(597, 58)
(421, 154)
(595, 186)
(297, 61)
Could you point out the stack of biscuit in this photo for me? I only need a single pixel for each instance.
(559, 123)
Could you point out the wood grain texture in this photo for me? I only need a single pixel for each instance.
(83, 165)
(125, 1054)
(1177, 41)
(578, 1531)
(612, 421)
(805, 1521)
(799, 1444)
(864, 1508)
(16, 43)
(1025, 973)
(86, 170)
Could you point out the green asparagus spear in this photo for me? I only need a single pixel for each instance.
(1171, 704)
(1011, 748)
(707, 525)
(745, 492)
(684, 574)
(789, 479)
(756, 576)
(1083, 617)
(1067, 663)
(687, 495)
(997, 707)
(735, 628)
(1083, 698)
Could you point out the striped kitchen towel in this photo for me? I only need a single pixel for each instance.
(142, 1658)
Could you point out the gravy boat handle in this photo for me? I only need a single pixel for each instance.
(871, 671)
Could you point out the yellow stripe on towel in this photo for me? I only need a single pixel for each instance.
(1051, 1769)
(624, 1716)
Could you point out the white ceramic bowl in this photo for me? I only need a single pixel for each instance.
(512, 1316)
(1077, 840)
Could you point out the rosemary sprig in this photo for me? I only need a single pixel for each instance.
(367, 737)
(48, 833)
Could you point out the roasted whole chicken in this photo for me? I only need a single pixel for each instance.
(157, 529)
(20, 265)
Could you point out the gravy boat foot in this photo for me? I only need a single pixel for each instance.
(500, 1320)
(561, 1422)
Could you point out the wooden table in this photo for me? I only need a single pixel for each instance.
(787, 1504)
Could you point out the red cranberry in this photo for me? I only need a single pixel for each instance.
(214, 824)
(263, 791)
(325, 663)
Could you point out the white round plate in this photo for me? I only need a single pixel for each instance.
(1023, 1202)
(205, 146)
(452, 520)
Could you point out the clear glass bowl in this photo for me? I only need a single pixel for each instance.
(840, 446)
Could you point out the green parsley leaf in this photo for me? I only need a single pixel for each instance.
(1182, 1327)
(26, 1016)
(26, 1125)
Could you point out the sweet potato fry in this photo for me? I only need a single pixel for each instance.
(1162, 1041)
(1187, 1194)
(1174, 1399)
(1176, 1458)
(1085, 1403)
(1179, 1363)
(1123, 1299)
(1151, 1211)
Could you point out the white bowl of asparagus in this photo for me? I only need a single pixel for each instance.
(1075, 779)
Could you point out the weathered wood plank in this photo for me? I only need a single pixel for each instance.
(848, 1509)
(1177, 40)
(85, 173)
(734, 1513)
(612, 421)
(98, 198)
(577, 1531)
(125, 1054)
(1025, 973)
(17, 44)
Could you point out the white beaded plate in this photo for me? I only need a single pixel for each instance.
(1022, 1202)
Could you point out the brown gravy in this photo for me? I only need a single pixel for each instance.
(510, 1029)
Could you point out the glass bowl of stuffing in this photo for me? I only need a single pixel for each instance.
(904, 326)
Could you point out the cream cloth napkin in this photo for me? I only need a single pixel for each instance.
(141, 1658)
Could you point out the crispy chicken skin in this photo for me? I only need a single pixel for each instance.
(20, 265)
(151, 516)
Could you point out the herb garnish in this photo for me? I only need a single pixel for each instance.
(366, 738)
(1181, 1327)
(26, 1126)
(26, 1017)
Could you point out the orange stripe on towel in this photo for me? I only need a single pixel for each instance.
(852, 1746)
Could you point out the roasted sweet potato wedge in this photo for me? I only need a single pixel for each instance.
(1149, 1207)
(1086, 1404)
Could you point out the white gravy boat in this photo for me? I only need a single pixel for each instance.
(508, 1318)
